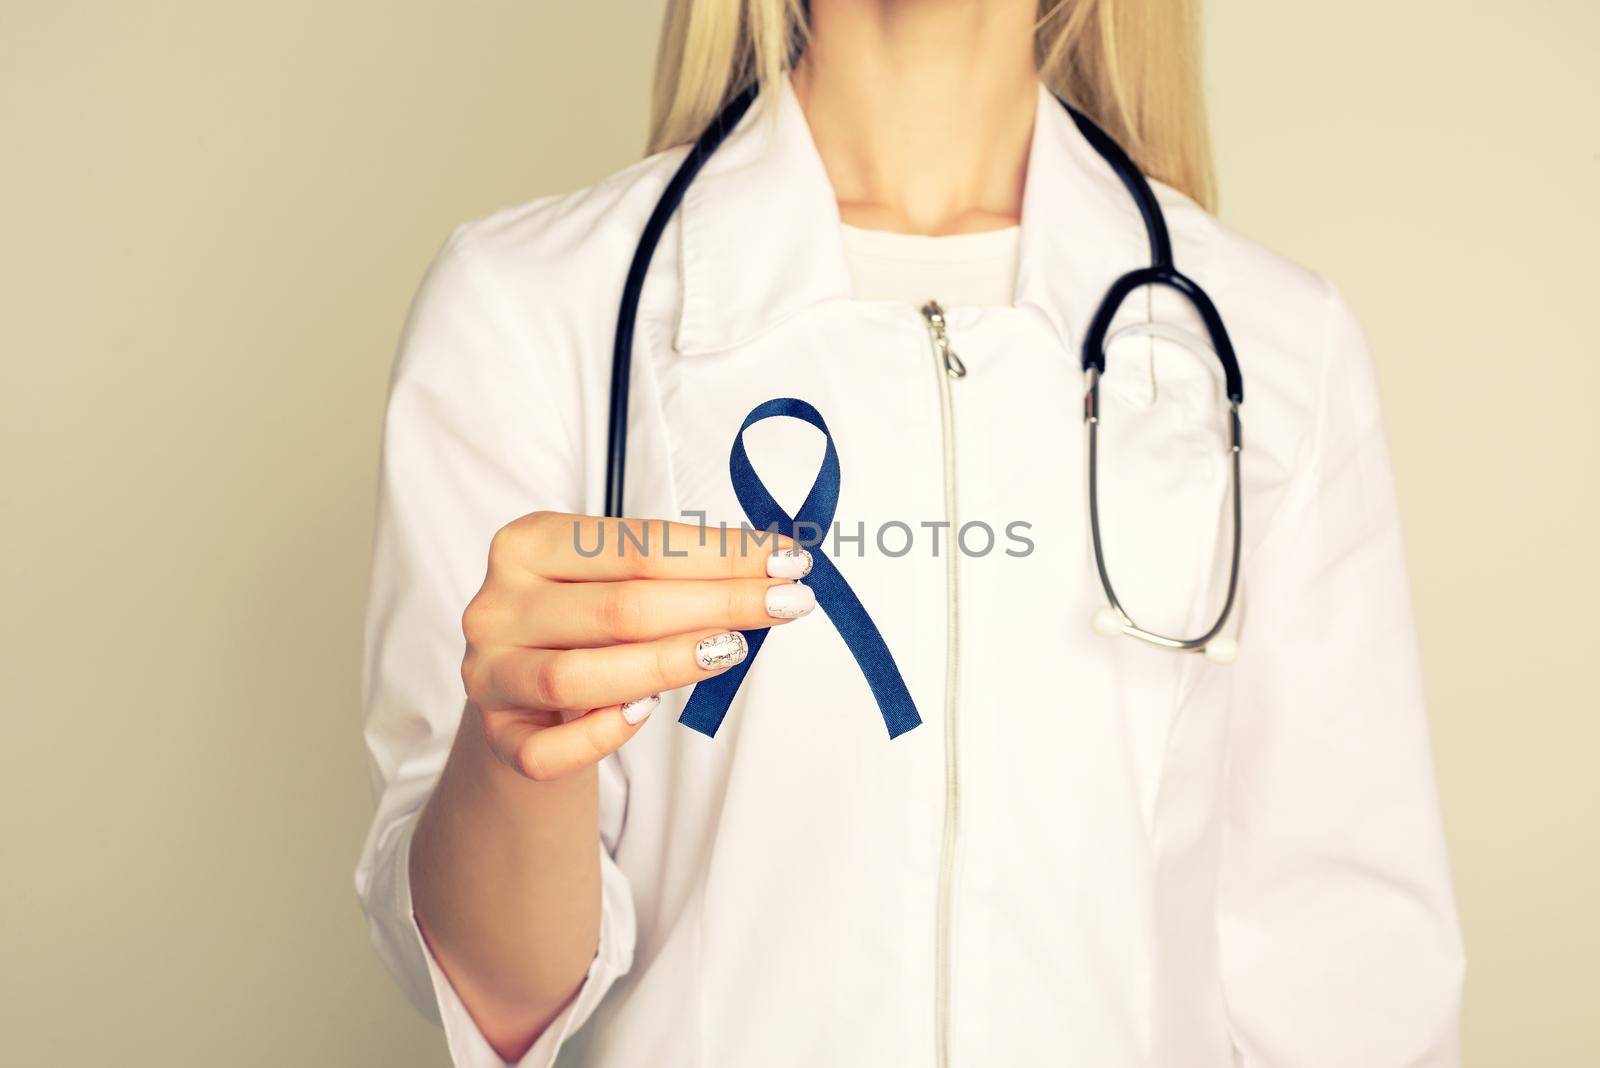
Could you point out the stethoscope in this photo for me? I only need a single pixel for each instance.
(1113, 619)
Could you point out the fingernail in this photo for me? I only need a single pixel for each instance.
(792, 563)
(790, 600)
(635, 712)
(721, 650)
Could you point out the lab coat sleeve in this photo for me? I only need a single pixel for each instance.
(1337, 923)
(477, 433)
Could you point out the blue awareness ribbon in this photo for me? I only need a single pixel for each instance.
(708, 705)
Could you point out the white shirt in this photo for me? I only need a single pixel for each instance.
(958, 269)
(1158, 860)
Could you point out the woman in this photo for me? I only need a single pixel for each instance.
(1091, 851)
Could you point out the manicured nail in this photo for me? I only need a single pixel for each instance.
(636, 711)
(721, 650)
(792, 563)
(791, 600)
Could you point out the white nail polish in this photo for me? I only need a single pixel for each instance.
(790, 600)
(792, 563)
(635, 712)
(720, 650)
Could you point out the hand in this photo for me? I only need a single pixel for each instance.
(567, 654)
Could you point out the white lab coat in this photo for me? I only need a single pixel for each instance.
(1159, 860)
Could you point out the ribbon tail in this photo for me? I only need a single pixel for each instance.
(866, 644)
(709, 703)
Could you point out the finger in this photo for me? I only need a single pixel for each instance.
(543, 753)
(582, 548)
(570, 615)
(575, 680)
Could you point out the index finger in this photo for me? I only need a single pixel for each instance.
(586, 548)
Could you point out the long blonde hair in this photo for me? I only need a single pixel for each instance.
(1131, 65)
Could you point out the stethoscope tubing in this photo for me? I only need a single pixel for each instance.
(628, 312)
(1161, 271)
(1126, 624)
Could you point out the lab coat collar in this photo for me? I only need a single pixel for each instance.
(761, 238)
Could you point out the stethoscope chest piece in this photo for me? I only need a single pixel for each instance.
(1110, 623)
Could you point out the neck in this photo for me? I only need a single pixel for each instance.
(922, 110)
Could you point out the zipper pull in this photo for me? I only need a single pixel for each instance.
(934, 314)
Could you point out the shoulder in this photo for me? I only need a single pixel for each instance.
(1306, 362)
(552, 263)
(1288, 322)
(1272, 292)
(584, 225)
(517, 310)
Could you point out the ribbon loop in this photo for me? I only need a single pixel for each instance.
(709, 703)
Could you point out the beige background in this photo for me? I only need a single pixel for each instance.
(213, 215)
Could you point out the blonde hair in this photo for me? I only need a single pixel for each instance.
(1132, 65)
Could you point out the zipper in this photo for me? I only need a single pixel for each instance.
(947, 369)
